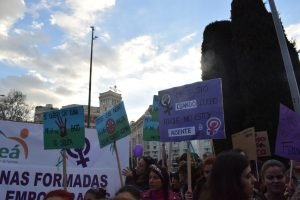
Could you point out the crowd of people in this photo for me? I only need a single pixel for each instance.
(228, 176)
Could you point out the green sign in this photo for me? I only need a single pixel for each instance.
(150, 131)
(154, 111)
(64, 129)
(112, 125)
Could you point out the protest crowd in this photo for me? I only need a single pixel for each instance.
(226, 176)
(248, 171)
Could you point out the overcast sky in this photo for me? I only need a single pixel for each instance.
(144, 46)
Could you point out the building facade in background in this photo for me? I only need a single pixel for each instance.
(106, 101)
(154, 148)
(39, 110)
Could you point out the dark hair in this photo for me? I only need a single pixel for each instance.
(164, 177)
(209, 161)
(271, 163)
(97, 192)
(148, 160)
(135, 192)
(59, 193)
(225, 178)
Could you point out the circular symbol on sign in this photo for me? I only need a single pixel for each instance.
(213, 125)
(166, 100)
(110, 126)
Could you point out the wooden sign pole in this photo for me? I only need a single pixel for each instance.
(118, 161)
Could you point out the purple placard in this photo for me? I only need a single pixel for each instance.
(192, 112)
(288, 134)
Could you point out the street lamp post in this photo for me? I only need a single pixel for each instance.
(286, 58)
(90, 81)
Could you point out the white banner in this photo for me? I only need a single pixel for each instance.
(28, 171)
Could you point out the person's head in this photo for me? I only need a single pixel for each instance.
(58, 195)
(207, 166)
(296, 166)
(273, 177)
(183, 176)
(128, 192)
(95, 194)
(207, 155)
(240, 151)
(158, 178)
(143, 165)
(231, 177)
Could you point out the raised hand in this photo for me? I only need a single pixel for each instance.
(62, 125)
(127, 172)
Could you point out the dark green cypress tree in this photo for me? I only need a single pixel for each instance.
(218, 62)
(254, 79)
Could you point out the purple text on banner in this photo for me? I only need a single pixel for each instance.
(288, 134)
(192, 112)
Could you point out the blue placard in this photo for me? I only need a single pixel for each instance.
(112, 125)
(192, 112)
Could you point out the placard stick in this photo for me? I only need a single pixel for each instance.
(212, 148)
(163, 156)
(257, 174)
(64, 169)
(291, 174)
(189, 167)
(170, 157)
(291, 171)
(119, 165)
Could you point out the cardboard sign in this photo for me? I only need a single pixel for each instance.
(262, 144)
(112, 125)
(64, 129)
(288, 134)
(245, 140)
(192, 112)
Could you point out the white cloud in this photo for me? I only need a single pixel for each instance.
(37, 25)
(79, 15)
(10, 12)
(34, 9)
(293, 34)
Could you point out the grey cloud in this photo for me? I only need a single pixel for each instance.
(61, 90)
(10, 11)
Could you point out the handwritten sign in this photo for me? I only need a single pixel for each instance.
(192, 112)
(112, 125)
(64, 129)
(262, 144)
(150, 131)
(154, 111)
(245, 140)
(288, 134)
